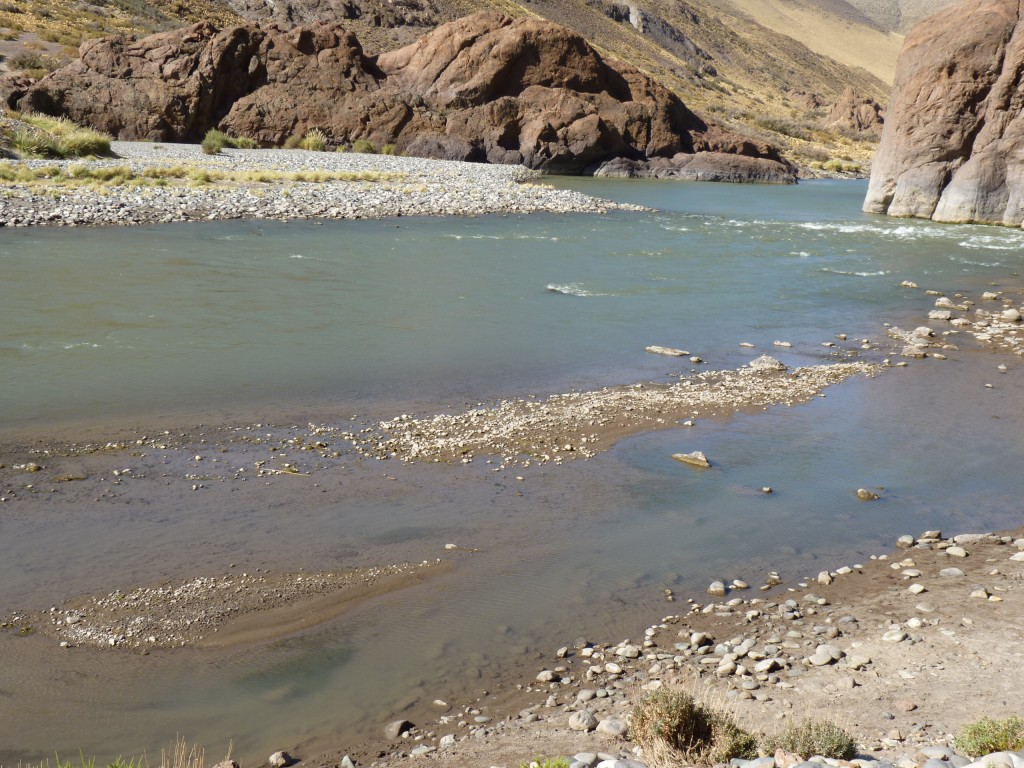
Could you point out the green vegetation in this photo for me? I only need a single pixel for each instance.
(814, 737)
(314, 141)
(387, 149)
(548, 762)
(214, 141)
(364, 147)
(42, 136)
(985, 736)
(673, 727)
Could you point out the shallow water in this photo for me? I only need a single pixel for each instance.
(261, 322)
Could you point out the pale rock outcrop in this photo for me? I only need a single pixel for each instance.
(953, 144)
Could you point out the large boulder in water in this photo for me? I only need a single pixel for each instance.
(953, 144)
(486, 87)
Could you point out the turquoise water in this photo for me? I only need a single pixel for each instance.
(246, 322)
(119, 323)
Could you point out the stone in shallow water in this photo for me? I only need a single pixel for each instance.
(865, 495)
(951, 573)
(280, 760)
(695, 458)
(396, 728)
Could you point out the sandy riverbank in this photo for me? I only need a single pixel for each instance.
(176, 182)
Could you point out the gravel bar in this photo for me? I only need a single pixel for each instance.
(408, 186)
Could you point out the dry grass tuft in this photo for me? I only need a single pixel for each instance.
(673, 728)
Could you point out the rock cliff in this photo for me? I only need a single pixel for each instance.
(953, 144)
(487, 87)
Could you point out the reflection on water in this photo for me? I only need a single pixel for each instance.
(251, 321)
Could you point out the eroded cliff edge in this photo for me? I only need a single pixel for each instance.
(952, 149)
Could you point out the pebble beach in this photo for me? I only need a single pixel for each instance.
(399, 186)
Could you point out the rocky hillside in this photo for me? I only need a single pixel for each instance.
(953, 147)
(770, 69)
(486, 87)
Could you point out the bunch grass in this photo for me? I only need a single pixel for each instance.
(811, 737)
(673, 728)
(985, 736)
(44, 136)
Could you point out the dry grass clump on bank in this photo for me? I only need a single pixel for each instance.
(813, 737)
(159, 176)
(314, 141)
(40, 136)
(673, 728)
(985, 736)
(214, 141)
(180, 754)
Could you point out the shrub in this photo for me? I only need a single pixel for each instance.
(83, 142)
(292, 142)
(814, 737)
(548, 762)
(315, 140)
(244, 142)
(672, 726)
(364, 147)
(985, 736)
(214, 141)
(387, 149)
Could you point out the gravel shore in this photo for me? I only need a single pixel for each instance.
(405, 186)
(901, 650)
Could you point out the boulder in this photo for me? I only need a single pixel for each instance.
(952, 148)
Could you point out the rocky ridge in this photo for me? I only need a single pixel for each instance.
(487, 87)
(952, 142)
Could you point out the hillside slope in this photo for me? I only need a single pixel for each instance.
(769, 69)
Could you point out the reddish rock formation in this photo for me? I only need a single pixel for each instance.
(527, 90)
(174, 86)
(485, 87)
(855, 113)
(953, 144)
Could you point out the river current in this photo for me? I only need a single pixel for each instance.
(236, 323)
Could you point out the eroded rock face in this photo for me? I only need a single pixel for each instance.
(855, 113)
(529, 91)
(174, 86)
(486, 88)
(953, 145)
